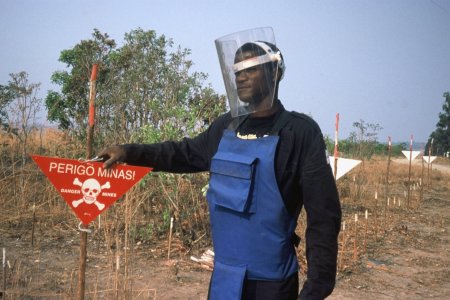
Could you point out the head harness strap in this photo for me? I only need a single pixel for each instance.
(270, 56)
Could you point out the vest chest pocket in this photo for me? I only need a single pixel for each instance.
(231, 183)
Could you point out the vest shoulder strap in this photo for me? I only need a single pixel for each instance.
(281, 122)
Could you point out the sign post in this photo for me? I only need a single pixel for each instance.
(86, 186)
(91, 120)
(84, 230)
(89, 190)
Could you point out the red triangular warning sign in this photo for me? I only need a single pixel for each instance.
(87, 187)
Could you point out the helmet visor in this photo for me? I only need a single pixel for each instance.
(249, 64)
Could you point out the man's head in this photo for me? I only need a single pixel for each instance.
(258, 67)
(252, 67)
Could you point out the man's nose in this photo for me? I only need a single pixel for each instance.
(241, 76)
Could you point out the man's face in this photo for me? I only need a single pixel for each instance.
(251, 83)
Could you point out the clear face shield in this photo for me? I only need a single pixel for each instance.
(250, 64)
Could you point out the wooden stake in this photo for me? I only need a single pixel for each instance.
(421, 182)
(92, 91)
(336, 152)
(386, 212)
(82, 264)
(409, 171)
(4, 273)
(387, 179)
(125, 255)
(355, 243)
(116, 277)
(83, 232)
(354, 190)
(430, 166)
(33, 222)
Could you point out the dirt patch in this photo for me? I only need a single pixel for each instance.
(411, 262)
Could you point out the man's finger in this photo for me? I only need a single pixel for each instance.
(109, 163)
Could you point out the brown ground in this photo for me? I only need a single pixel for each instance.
(408, 259)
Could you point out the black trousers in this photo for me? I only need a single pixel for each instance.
(270, 290)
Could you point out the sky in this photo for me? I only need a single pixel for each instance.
(385, 62)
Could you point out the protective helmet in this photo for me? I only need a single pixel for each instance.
(250, 63)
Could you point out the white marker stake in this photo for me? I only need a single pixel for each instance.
(365, 231)
(343, 246)
(170, 237)
(376, 215)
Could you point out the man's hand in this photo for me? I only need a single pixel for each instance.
(113, 154)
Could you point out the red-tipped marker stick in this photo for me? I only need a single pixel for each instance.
(89, 142)
(336, 151)
(409, 172)
(355, 243)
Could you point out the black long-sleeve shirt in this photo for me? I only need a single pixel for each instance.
(303, 175)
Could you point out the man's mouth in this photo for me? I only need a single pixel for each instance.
(243, 88)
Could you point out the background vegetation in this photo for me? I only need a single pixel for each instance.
(146, 93)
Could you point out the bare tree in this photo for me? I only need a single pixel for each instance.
(365, 137)
(21, 113)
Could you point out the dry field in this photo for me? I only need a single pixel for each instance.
(400, 251)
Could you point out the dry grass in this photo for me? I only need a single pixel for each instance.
(34, 215)
(365, 189)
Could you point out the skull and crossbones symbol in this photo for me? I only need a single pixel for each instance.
(90, 189)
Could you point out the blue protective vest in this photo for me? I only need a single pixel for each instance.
(251, 228)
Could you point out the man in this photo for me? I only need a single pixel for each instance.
(265, 164)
